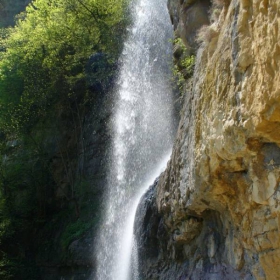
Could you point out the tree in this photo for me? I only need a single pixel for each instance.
(45, 55)
(45, 62)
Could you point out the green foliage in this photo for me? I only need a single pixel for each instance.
(5, 267)
(21, 187)
(45, 85)
(16, 269)
(44, 57)
(4, 34)
(188, 65)
(89, 202)
(75, 231)
(183, 65)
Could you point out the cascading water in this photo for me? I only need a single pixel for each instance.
(142, 133)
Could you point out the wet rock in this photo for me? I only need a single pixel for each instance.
(146, 230)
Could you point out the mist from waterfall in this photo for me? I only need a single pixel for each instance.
(143, 132)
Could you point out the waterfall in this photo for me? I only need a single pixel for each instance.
(143, 133)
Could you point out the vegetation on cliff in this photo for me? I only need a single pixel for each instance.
(184, 62)
(55, 61)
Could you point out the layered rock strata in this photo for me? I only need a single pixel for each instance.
(219, 199)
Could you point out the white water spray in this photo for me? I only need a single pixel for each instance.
(142, 133)
(124, 263)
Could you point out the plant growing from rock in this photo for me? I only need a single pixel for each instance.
(184, 63)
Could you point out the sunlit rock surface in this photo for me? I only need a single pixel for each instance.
(219, 198)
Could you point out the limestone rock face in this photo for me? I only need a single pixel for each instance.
(187, 16)
(220, 195)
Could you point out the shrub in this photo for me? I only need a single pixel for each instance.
(183, 64)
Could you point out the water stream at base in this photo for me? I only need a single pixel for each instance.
(142, 134)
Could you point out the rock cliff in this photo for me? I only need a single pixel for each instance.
(218, 201)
